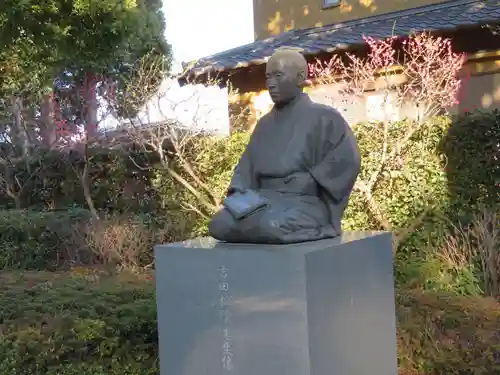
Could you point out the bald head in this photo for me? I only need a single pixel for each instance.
(290, 59)
(286, 72)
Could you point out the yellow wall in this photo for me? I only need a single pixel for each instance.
(482, 92)
(482, 89)
(272, 17)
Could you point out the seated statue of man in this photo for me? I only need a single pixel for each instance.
(302, 160)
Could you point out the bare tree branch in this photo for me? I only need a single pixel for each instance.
(171, 141)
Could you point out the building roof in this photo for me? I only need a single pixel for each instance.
(448, 15)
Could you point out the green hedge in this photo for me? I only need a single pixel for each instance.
(52, 324)
(472, 165)
(441, 333)
(37, 240)
(116, 183)
(51, 240)
(90, 323)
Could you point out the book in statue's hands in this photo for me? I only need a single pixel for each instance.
(243, 203)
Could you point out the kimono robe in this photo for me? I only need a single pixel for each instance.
(304, 160)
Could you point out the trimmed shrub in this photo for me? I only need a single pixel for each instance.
(38, 240)
(92, 323)
(85, 324)
(410, 181)
(441, 333)
(60, 239)
(115, 182)
(124, 242)
(472, 151)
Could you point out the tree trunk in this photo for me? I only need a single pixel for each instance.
(48, 127)
(17, 202)
(91, 104)
(18, 131)
(87, 194)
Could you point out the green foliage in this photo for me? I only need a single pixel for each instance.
(67, 238)
(213, 160)
(432, 273)
(216, 159)
(40, 240)
(37, 240)
(94, 323)
(450, 165)
(57, 40)
(410, 182)
(440, 333)
(472, 165)
(125, 30)
(116, 183)
(83, 324)
(438, 179)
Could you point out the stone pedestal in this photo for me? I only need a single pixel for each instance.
(315, 308)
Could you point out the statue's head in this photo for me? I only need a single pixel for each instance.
(286, 73)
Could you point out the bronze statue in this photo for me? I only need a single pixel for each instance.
(293, 181)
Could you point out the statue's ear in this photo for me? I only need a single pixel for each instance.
(301, 78)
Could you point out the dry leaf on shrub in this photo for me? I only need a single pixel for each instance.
(478, 245)
(119, 241)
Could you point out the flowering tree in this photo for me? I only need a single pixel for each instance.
(421, 70)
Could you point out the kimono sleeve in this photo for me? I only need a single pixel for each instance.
(244, 174)
(338, 161)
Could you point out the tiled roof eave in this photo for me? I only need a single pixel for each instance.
(446, 16)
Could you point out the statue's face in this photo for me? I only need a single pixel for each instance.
(282, 80)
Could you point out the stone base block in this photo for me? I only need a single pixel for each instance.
(315, 308)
